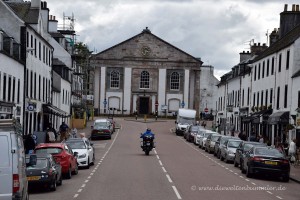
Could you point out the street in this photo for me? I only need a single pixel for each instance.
(174, 170)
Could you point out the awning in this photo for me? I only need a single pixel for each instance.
(50, 109)
(247, 119)
(279, 118)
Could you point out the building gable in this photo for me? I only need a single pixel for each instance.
(145, 47)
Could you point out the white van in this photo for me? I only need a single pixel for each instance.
(185, 118)
(13, 180)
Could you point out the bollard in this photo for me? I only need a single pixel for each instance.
(145, 118)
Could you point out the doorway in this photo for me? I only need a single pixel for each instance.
(144, 105)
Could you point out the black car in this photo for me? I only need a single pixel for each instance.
(44, 171)
(242, 149)
(191, 132)
(266, 160)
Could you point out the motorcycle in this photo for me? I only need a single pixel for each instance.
(147, 144)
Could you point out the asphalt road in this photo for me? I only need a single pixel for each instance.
(174, 170)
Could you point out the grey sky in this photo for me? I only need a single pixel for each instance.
(214, 30)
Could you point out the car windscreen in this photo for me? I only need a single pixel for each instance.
(41, 163)
(51, 150)
(194, 128)
(247, 147)
(268, 152)
(100, 125)
(184, 120)
(223, 140)
(234, 144)
(76, 144)
(215, 138)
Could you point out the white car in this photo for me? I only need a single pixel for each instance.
(85, 150)
(199, 135)
(202, 140)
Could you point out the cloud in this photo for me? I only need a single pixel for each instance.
(215, 31)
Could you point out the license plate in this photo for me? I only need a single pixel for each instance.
(270, 163)
(148, 144)
(33, 178)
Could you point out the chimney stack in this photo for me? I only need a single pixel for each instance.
(289, 19)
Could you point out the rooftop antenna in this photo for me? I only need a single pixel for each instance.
(267, 34)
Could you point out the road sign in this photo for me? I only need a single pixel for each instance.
(206, 110)
(182, 104)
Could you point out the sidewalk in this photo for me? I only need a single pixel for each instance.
(295, 173)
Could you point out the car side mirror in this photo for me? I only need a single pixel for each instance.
(91, 144)
(92, 127)
(75, 154)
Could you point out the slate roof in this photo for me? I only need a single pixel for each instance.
(282, 43)
(24, 11)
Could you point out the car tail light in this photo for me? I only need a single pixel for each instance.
(106, 131)
(16, 183)
(257, 159)
(285, 161)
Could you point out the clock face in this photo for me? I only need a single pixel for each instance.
(145, 51)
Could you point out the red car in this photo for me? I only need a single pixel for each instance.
(63, 154)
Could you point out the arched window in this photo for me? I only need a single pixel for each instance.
(114, 79)
(175, 81)
(145, 79)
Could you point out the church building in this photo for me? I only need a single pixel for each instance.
(145, 74)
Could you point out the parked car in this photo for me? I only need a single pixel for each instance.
(220, 143)
(242, 149)
(45, 171)
(229, 149)
(199, 135)
(13, 181)
(191, 133)
(210, 142)
(62, 154)
(102, 128)
(85, 150)
(203, 139)
(266, 160)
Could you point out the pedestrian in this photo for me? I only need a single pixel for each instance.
(292, 150)
(82, 135)
(63, 129)
(29, 143)
(50, 136)
(53, 130)
(74, 133)
(261, 139)
(88, 114)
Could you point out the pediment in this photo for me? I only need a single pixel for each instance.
(145, 46)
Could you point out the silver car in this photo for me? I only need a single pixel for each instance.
(203, 139)
(210, 142)
(229, 149)
(199, 135)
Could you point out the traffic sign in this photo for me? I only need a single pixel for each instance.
(206, 110)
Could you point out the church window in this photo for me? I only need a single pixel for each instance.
(145, 80)
(175, 81)
(114, 79)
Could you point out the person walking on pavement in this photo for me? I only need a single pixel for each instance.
(63, 129)
(29, 143)
(292, 150)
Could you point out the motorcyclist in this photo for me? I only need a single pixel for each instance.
(147, 133)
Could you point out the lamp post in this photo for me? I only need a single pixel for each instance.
(104, 103)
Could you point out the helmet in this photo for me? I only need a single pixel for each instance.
(148, 129)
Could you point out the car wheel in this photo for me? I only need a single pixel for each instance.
(93, 161)
(88, 164)
(221, 158)
(75, 172)
(53, 185)
(59, 181)
(225, 159)
(69, 173)
(218, 155)
(242, 168)
(285, 178)
(235, 163)
(248, 173)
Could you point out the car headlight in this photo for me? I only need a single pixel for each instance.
(82, 155)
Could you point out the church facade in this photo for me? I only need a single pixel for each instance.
(145, 75)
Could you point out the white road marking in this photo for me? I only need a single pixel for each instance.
(79, 190)
(226, 168)
(160, 162)
(83, 185)
(76, 195)
(157, 157)
(176, 192)
(236, 173)
(86, 181)
(278, 197)
(164, 169)
(231, 170)
(89, 177)
(269, 192)
(253, 183)
(169, 178)
(241, 177)
(247, 180)
(91, 174)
